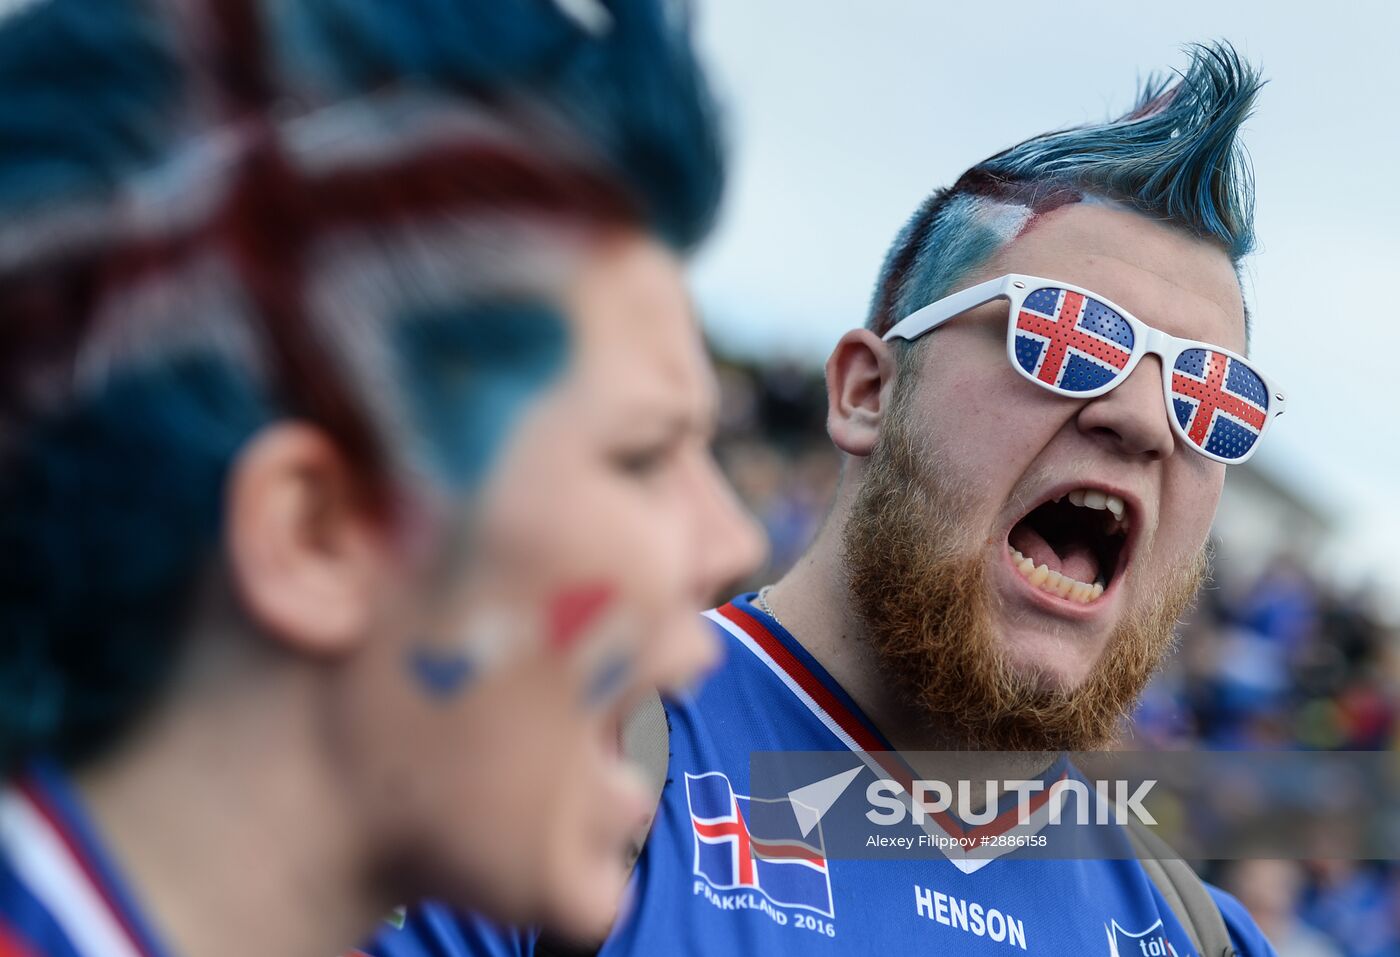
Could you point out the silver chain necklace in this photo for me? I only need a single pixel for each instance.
(763, 603)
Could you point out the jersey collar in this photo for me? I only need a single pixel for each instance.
(54, 848)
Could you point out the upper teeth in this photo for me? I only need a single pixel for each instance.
(1093, 498)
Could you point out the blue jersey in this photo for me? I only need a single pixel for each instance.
(60, 895)
(699, 889)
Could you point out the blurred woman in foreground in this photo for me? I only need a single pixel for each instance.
(354, 479)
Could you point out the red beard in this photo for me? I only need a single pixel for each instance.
(927, 611)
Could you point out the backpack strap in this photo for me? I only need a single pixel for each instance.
(1185, 893)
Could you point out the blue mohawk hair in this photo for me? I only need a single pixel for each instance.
(1175, 156)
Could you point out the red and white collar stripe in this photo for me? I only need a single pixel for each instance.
(858, 735)
(49, 858)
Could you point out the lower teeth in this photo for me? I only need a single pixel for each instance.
(1053, 582)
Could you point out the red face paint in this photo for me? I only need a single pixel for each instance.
(573, 610)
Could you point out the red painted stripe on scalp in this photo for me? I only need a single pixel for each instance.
(239, 55)
(275, 213)
(455, 179)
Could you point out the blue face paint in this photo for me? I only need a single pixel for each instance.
(441, 673)
(608, 679)
(470, 373)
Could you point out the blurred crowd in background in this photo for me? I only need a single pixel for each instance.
(1276, 658)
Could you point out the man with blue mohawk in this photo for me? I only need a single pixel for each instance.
(1021, 519)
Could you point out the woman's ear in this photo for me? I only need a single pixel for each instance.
(307, 558)
(859, 381)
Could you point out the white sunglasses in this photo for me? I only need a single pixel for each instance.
(1078, 344)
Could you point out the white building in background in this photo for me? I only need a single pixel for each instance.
(1262, 514)
(1267, 511)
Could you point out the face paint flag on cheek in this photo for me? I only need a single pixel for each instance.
(583, 621)
(440, 672)
(573, 611)
(589, 619)
(444, 670)
(608, 680)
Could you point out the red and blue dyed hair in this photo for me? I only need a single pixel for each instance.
(355, 213)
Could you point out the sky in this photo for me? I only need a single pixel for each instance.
(843, 116)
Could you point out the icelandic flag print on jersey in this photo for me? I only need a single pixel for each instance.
(1221, 403)
(1070, 341)
(785, 868)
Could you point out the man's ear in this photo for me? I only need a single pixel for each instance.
(307, 558)
(859, 383)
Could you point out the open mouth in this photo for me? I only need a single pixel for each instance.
(1072, 546)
